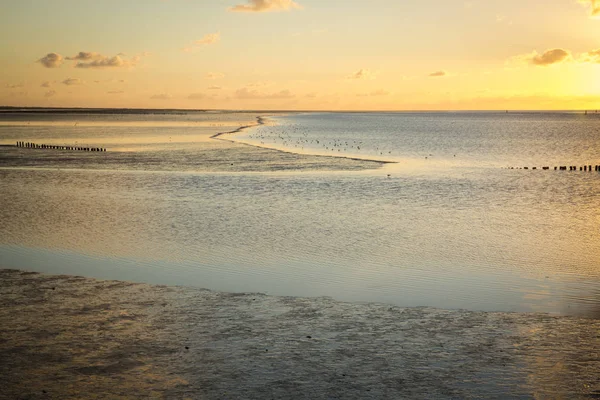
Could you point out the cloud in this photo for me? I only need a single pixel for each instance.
(550, 57)
(85, 56)
(362, 74)
(90, 59)
(107, 62)
(437, 74)
(215, 75)
(196, 96)
(50, 93)
(14, 85)
(246, 93)
(72, 81)
(591, 56)
(210, 38)
(115, 92)
(555, 56)
(51, 60)
(594, 6)
(266, 6)
(46, 84)
(214, 87)
(161, 96)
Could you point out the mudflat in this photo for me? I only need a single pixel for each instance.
(65, 337)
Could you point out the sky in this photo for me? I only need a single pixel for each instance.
(301, 54)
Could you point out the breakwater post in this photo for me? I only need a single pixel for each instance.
(31, 145)
(583, 168)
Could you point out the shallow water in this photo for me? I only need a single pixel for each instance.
(428, 139)
(451, 234)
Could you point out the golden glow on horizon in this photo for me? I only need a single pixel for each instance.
(304, 54)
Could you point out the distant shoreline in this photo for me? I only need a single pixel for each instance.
(141, 111)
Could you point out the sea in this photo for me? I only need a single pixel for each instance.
(452, 210)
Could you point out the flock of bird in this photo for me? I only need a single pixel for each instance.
(297, 137)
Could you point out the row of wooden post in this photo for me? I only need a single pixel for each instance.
(30, 145)
(570, 168)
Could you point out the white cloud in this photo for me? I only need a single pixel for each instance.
(46, 84)
(214, 87)
(90, 59)
(50, 93)
(51, 60)
(14, 85)
(265, 6)
(107, 62)
(72, 81)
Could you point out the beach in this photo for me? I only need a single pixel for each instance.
(67, 337)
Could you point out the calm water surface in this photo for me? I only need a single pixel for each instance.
(448, 224)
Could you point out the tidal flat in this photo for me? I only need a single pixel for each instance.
(68, 337)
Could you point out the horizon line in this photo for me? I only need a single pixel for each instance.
(33, 108)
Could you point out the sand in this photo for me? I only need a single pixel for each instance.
(210, 147)
(67, 337)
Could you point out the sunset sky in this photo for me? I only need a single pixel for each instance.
(303, 54)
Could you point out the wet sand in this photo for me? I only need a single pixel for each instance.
(66, 337)
(208, 147)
